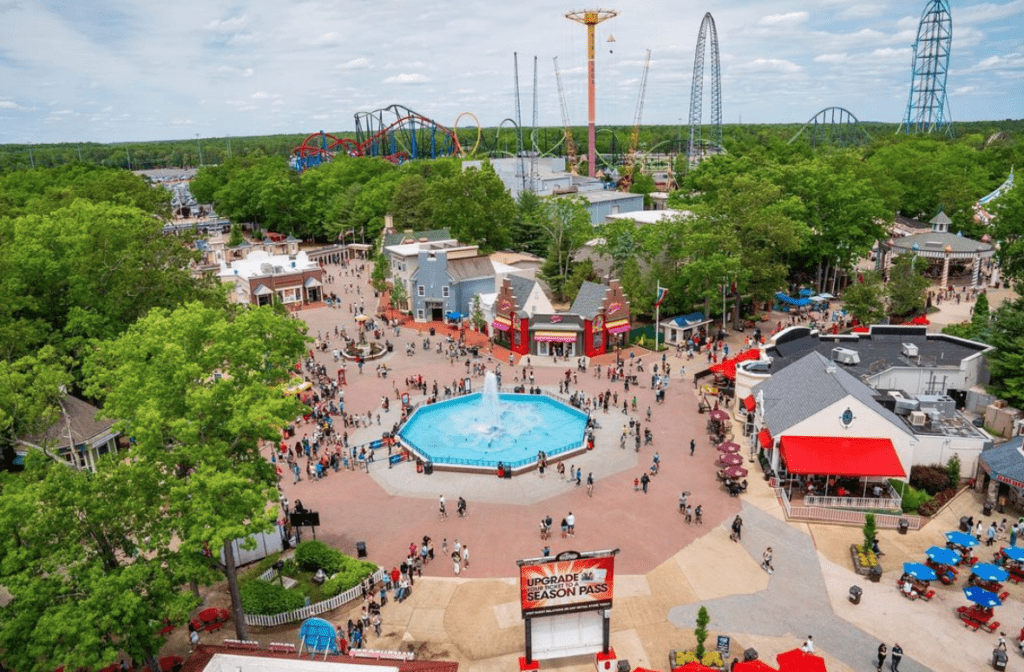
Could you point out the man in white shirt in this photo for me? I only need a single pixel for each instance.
(808, 646)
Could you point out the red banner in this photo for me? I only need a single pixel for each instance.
(571, 585)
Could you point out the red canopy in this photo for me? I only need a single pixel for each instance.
(727, 367)
(800, 661)
(920, 320)
(694, 666)
(861, 330)
(836, 456)
(752, 666)
(764, 437)
(749, 403)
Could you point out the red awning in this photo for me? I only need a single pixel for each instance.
(764, 437)
(727, 367)
(750, 403)
(800, 661)
(920, 321)
(752, 666)
(836, 456)
(861, 330)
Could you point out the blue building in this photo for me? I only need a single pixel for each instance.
(446, 280)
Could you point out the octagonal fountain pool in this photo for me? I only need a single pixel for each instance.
(477, 431)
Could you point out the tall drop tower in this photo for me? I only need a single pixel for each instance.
(590, 18)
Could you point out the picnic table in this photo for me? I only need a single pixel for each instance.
(975, 617)
(947, 574)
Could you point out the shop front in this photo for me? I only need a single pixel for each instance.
(558, 335)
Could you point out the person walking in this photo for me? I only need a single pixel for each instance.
(693, 446)
(897, 656)
(570, 521)
(737, 529)
(590, 484)
(766, 561)
(455, 562)
(881, 656)
(698, 514)
(644, 481)
(465, 556)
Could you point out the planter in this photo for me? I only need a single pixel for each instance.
(874, 573)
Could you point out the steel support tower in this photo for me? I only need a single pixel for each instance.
(694, 150)
(928, 107)
(590, 18)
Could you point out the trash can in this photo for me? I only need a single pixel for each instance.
(432, 331)
(428, 468)
(875, 574)
(904, 525)
(508, 472)
(987, 509)
(624, 666)
(999, 659)
(965, 523)
(749, 655)
(855, 593)
(419, 466)
(360, 549)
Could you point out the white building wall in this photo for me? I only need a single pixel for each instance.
(916, 380)
(538, 302)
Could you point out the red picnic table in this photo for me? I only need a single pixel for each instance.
(975, 617)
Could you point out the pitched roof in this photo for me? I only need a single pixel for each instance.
(521, 288)
(430, 235)
(470, 268)
(690, 319)
(589, 300)
(1006, 460)
(80, 416)
(806, 387)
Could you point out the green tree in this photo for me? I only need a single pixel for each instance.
(701, 631)
(475, 207)
(1006, 362)
(477, 316)
(31, 389)
(642, 184)
(1008, 231)
(869, 530)
(198, 389)
(410, 207)
(865, 299)
(88, 564)
(236, 238)
(582, 271)
(953, 470)
(567, 227)
(381, 272)
(399, 295)
(526, 232)
(907, 290)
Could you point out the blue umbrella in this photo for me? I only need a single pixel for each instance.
(1014, 553)
(989, 572)
(982, 597)
(961, 539)
(919, 571)
(943, 556)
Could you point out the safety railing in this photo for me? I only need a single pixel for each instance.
(272, 620)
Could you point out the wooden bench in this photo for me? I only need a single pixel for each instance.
(215, 626)
(241, 644)
(973, 625)
(928, 595)
(1003, 595)
(990, 626)
(281, 647)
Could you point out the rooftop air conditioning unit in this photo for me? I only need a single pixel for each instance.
(908, 350)
(845, 356)
(918, 419)
(905, 406)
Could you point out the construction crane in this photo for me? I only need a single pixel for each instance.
(519, 125)
(634, 139)
(570, 145)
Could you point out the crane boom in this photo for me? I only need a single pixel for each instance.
(570, 146)
(635, 138)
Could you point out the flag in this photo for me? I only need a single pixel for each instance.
(662, 292)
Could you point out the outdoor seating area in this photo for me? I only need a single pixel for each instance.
(211, 619)
(1012, 560)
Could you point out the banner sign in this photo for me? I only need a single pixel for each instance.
(561, 587)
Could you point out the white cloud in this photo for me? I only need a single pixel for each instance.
(407, 78)
(963, 90)
(890, 53)
(862, 11)
(770, 65)
(831, 58)
(355, 64)
(260, 95)
(988, 11)
(790, 18)
(9, 105)
(229, 24)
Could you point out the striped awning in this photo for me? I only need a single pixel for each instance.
(618, 326)
(553, 337)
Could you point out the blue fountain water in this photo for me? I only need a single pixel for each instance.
(487, 428)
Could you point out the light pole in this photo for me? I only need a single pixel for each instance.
(200, 144)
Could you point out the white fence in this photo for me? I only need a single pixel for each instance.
(825, 515)
(265, 621)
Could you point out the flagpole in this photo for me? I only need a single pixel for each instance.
(657, 315)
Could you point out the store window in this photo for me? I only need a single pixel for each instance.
(421, 290)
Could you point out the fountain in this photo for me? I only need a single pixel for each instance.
(477, 431)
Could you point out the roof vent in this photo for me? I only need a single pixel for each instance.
(845, 356)
(908, 349)
(918, 418)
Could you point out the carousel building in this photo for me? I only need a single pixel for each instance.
(939, 247)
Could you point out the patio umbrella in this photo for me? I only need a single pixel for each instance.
(798, 660)
(755, 665)
(1014, 553)
(943, 556)
(982, 597)
(989, 572)
(735, 472)
(730, 459)
(728, 446)
(919, 571)
(694, 666)
(961, 539)
(719, 415)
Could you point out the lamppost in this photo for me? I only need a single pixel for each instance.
(200, 144)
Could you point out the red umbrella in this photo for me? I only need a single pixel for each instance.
(735, 472)
(719, 415)
(730, 459)
(798, 660)
(752, 666)
(729, 447)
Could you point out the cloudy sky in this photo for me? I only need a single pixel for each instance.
(132, 70)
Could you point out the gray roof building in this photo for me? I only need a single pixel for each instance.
(590, 300)
(430, 235)
(1005, 462)
(807, 387)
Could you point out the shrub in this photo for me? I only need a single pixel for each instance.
(932, 478)
(953, 469)
(352, 572)
(701, 631)
(869, 530)
(930, 507)
(263, 597)
(913, 498)
(712, 659)
(314, 555)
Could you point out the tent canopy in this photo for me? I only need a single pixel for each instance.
(727, 367)
(783, 298)
(836, 456)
